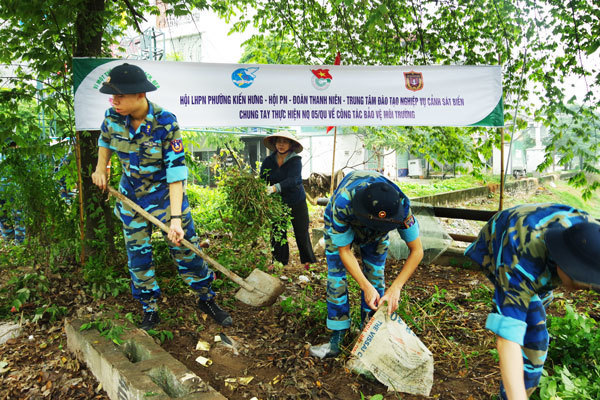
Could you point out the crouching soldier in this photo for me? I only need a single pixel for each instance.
(526, 251)
(363, 209)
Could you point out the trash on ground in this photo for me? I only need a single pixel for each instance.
(203, 361)
(202, 345)
(189, 376)
(233, 383)
(396, 357)
(228, 343)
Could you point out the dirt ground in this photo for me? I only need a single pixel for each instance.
(270, 345)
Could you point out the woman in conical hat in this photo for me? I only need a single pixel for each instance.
(282, 170)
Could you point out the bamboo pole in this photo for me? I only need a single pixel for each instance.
(80, 192)
(333, 162)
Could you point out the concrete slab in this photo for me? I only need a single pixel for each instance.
(9, 330)
(138, 369)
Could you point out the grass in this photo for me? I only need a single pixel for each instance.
(436, 186)
(565, 194)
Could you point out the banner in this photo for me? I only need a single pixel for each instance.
(228, 95)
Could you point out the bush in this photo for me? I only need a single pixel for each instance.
(248, 214)
(572, 370)
(206, 204)
(241, 212)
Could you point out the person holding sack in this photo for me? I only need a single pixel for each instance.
(364, 208)
(526, 251)
(148, 142)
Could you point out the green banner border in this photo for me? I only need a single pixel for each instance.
(83, 66)
(495, 119)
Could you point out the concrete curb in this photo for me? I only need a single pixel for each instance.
(521, 185)
(138, 369)
(9, 330)
(442, 199)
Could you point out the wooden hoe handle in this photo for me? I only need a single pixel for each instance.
(185, 242)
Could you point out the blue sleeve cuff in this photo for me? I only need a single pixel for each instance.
(342, 239)
(278, 187)
(409, 234)
(102, 143)
(177, 174)
(509, 328)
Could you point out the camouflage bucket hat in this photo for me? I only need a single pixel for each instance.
(576, 250)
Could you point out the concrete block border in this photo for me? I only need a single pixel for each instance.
(139, 369)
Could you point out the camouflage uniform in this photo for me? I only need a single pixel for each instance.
(152, 157)
(511, 250)
(12, 226)
(341, 229)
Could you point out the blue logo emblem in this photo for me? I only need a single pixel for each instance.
(243, 77)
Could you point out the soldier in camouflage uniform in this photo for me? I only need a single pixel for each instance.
(363, 209)
(12, 226)
(527, 251)
(148, 142)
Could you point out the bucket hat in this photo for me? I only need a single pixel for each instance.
(576, 250)
(378, 206)
(127, 79)
(269, 141)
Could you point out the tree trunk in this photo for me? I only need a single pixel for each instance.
(99, 226)
(89, 26)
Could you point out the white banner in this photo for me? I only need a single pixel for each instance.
(227, 95)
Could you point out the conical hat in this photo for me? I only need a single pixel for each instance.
(269, 141)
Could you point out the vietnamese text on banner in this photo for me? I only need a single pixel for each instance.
(228, 95)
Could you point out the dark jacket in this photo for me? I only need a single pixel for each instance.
(287, 178)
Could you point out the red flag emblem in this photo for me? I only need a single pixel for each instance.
(322, 73)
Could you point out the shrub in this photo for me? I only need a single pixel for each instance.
(572, 371)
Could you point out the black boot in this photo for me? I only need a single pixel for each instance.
(151, 319)
(213, 310)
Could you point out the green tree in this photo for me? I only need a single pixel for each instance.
(541, 44)
(270, 49)
(39, 40)
(575, 140)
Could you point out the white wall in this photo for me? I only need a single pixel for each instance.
(217, 45)
(390, 164)
(203, 30)
(535, 156)
(318, 153)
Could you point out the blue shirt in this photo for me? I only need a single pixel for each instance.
(512, 252)
(341, 225)
(152, 155)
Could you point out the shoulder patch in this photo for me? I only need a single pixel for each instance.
(177, 145)
(409, 221)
